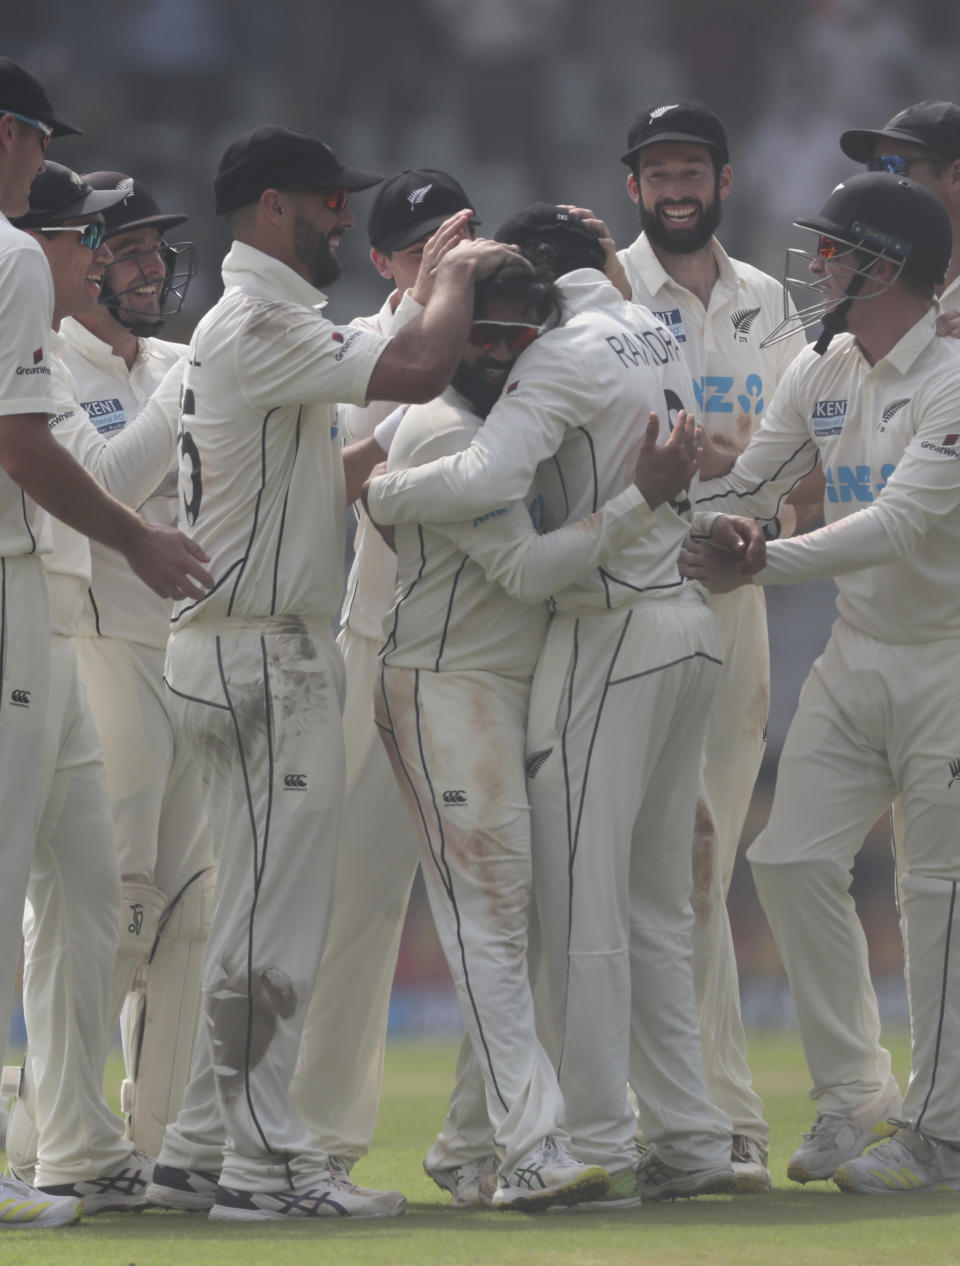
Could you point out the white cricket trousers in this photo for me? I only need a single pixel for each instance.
(70, 935)
(732, 755)
(874, 720)
(614, 748)
(24, 691)
(261, 711)
(340, 1071)
(456, 741)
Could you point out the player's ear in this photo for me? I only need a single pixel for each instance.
(381, 263)
(633, 189)
(273, 206)
(725, 181)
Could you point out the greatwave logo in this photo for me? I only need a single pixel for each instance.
(339, 338)
(295, 782)
(829, 416)
(891, 411)
(416, 196)
(513, 386)
(38, 367)
(38, 356)
(20, 698)
(742, 320)
(454, 797)
(661, 111)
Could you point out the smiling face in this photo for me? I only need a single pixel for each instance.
(483, 371)
(678, 192)
(317, 231)
(77, 270)
(138, 273)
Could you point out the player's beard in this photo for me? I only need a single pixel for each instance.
(312, 248)
(681, 241)
(479, 391)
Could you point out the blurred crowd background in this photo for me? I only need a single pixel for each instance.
(521, 100)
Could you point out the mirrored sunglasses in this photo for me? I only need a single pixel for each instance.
(91, 235)
(489, 334)
(45, 130)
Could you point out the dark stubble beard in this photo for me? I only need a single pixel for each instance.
(313, 251)
(682, 241)
(481, 394)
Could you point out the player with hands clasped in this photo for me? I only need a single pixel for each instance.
(875, 402)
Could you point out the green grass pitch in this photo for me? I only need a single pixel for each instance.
(815, 1225)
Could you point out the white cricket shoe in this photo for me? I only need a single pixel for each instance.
(25, 1208)
(120, 1189)
(908, 1162)
(623, 1192)
(547, 1176)
(836, 1139)
(749, 1163)
(329, 1197)
(190, 1190)
(471, 1185)
(657, 1180)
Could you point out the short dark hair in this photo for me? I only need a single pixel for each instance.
(516, 281)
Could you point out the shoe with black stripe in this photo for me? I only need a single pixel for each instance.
(329, 1197)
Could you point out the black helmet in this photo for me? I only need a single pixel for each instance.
(138, 209)
(878, 215)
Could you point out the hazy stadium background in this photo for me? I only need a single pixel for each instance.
(521, 99)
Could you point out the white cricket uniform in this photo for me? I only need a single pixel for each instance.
(71, 926)
(258, 684)
(340, 1070)
(733, 378)
(26, 314)
(155, 793)
(611, 835)
(452, 708)
(878, 715)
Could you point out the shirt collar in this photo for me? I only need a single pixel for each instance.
(655, 277)
(586, 288)
(266, 277)
(917, 339)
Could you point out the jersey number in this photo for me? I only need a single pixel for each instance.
(191, 481)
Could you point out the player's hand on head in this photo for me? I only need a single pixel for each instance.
(450, 232)
(663, 471)
(169, 562)
(613, 269)
(482, 254)
(741, 537)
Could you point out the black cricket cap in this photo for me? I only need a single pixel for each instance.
(546, 222)
(892, 215)
(21, 93)
(682, 120)
(59, 194)
(933, 124)
(411, 205)
(137, 208)
(272, 157)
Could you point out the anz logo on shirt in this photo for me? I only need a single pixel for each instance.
(715, 394)
(106, 415)
(856, 483)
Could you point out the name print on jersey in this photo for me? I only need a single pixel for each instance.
(643, 347)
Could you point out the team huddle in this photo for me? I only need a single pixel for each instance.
(573, 470)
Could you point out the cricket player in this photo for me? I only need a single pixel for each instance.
(37, 468)
(452, 706)
(619, 698)
(718, 309)
(340, 1070)
(74, 900)
(255, 673)
(875, 401)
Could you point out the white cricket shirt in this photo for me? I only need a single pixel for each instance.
(580, 397)
(261, 476)
(888, 438)
(470, 595)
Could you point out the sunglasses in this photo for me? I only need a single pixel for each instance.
(490, 334)
(335, 199)
(828, 248)
(895, 163)
(45, 130)
(91, 235)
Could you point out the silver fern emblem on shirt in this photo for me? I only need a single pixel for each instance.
(742, 320)
(416, 196)
(891, 411)
(660, 111)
